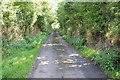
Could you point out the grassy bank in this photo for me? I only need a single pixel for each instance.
(107, 59)
(19, 57)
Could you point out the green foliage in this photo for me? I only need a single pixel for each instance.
(24, 18)
(98, 18)
(46, 18)
(28, 43)
(19, 58)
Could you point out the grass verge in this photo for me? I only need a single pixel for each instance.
(106, 58)
(19, 57)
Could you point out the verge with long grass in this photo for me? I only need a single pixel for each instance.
(19, 58)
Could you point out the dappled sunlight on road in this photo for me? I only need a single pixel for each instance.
(52, 44)
(73, 65)
(69, 61)
(56, 61)
(41, 57)
(73, 55)
(60, 49)
(59, 59)
(44, 63)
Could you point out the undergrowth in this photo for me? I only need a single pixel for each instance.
(18, 59)
(106, 58)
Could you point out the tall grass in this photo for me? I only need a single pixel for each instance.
(18, 59)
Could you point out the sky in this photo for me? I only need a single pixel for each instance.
(54, 3)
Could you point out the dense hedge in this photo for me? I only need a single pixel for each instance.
(94, 21)
(20, 19)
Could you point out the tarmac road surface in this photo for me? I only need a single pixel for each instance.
(58, 59)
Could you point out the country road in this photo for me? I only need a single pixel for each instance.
(58, 59)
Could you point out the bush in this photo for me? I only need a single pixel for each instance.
(30, 42)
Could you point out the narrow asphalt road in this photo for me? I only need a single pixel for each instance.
(58, 59)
